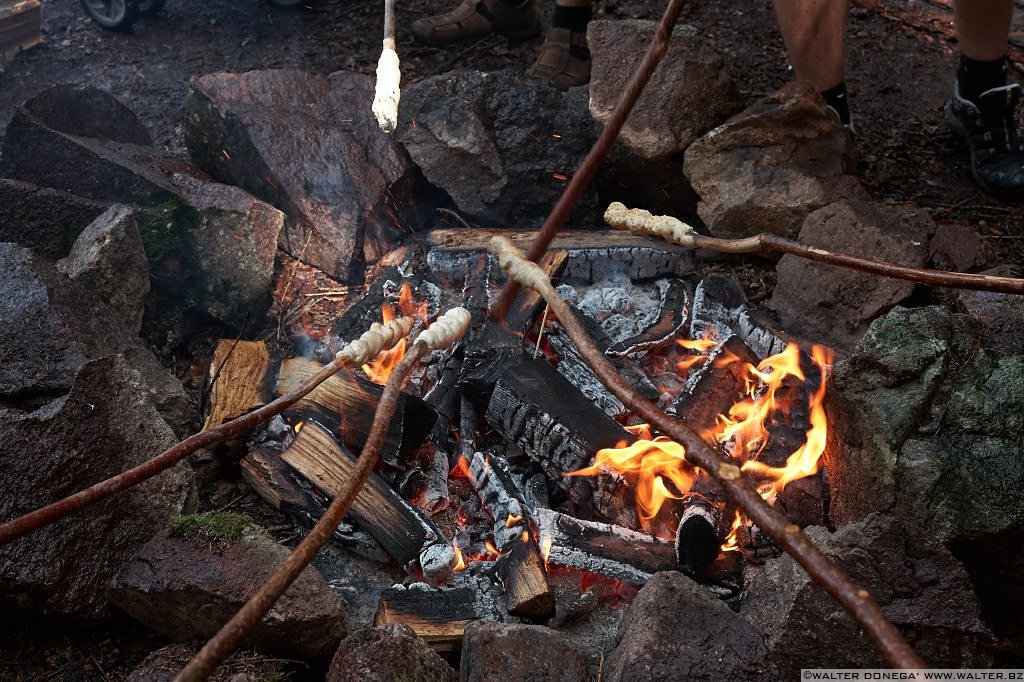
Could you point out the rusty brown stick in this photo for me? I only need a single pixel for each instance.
(236, 629)
(445, 331)
(854, 598)
(595, 157)
(55, 511)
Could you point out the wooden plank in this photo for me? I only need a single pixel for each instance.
(20, 27)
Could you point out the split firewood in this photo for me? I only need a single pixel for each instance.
(676, 231)
(345, 403)
(445, 331)
(236, 379)
(439, 617)
(853, 598)
(398, 526)
(520, 565)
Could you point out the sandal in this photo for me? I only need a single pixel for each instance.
(478, 18)
(564, 60)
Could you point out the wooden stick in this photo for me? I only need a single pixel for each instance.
(675, 231)
(595, 157)
(445, 331)
(360, 351)
(855, 599)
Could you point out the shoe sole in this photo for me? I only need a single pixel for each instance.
(960, 139)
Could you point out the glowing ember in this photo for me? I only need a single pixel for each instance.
(545, 549)
(461, 469)
(380, 369)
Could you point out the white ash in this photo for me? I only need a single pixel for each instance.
(622, 308)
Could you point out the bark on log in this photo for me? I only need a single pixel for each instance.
(401, 529)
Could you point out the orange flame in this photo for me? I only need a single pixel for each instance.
(512, 520)
(647, 463)
(460, 563)
(491, 548)
(545, 548)
(731, 543)
(380, 369)
(701, 346)
(298, 426)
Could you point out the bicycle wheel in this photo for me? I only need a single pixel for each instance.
(148, 8)
(113, 15)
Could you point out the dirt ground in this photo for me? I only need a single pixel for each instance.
(900, 73)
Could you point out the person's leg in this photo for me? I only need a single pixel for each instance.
(564, 60)
(983, 108)
(814, 32)
(517, 19)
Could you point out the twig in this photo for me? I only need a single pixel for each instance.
(365, 348)
(444, 332)
(639, 221)
(855, 599)
(595, 157)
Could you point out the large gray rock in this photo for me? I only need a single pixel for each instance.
(104, 425)
(922, 589)
(43, 219)
(211, 247)
(310, 145)
(493, 652)
(675, 631)
(53, 325)
(109, 258)
(926, 426)
(386, 653)
(187, 588)
(833, 305)
(768, 167)
(502, 147)
(1001, 315)
(690, 92)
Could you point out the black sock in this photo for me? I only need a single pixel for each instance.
(836, 98)
(573, 18)
(976, 77)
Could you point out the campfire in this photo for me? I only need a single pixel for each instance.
(508, 461)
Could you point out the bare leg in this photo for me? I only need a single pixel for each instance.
(814, 33)
(983, 27)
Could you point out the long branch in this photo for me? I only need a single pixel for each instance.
(444, 332)
(854, 598)
(595, 157)
(639, 221)
(378, 338)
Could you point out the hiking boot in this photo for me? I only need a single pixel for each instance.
(564, 60)
(989, 127)
(478, 18)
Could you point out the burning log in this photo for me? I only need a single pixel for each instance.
(702, 530)
(557, 426)
(603, 548)
(347, 401)
(713, 388)
(520, 567)
(440, 617)
(664, 330)
(720, 309)
(402, 529)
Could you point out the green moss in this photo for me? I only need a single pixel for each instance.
(215, 526)
(164, 223)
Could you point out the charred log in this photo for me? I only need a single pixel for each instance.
(521, 570)
(664, 330)
(721, 309)
(716, 385)
(440, 617)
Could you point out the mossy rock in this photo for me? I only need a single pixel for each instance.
(217, 526)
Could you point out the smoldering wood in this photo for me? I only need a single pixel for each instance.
(365, 311)
(500, 496)
(673, 316)
(558, 427)
(626, 366)
(271, 479)
(400, 528)
(720, 308)
(345, 403)
(492, 345)
(440, 617)
(237, 380)
(715, 385)
(592, 254)
(603, 548)
(573, 368)
(521, 570)
(702, 530)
